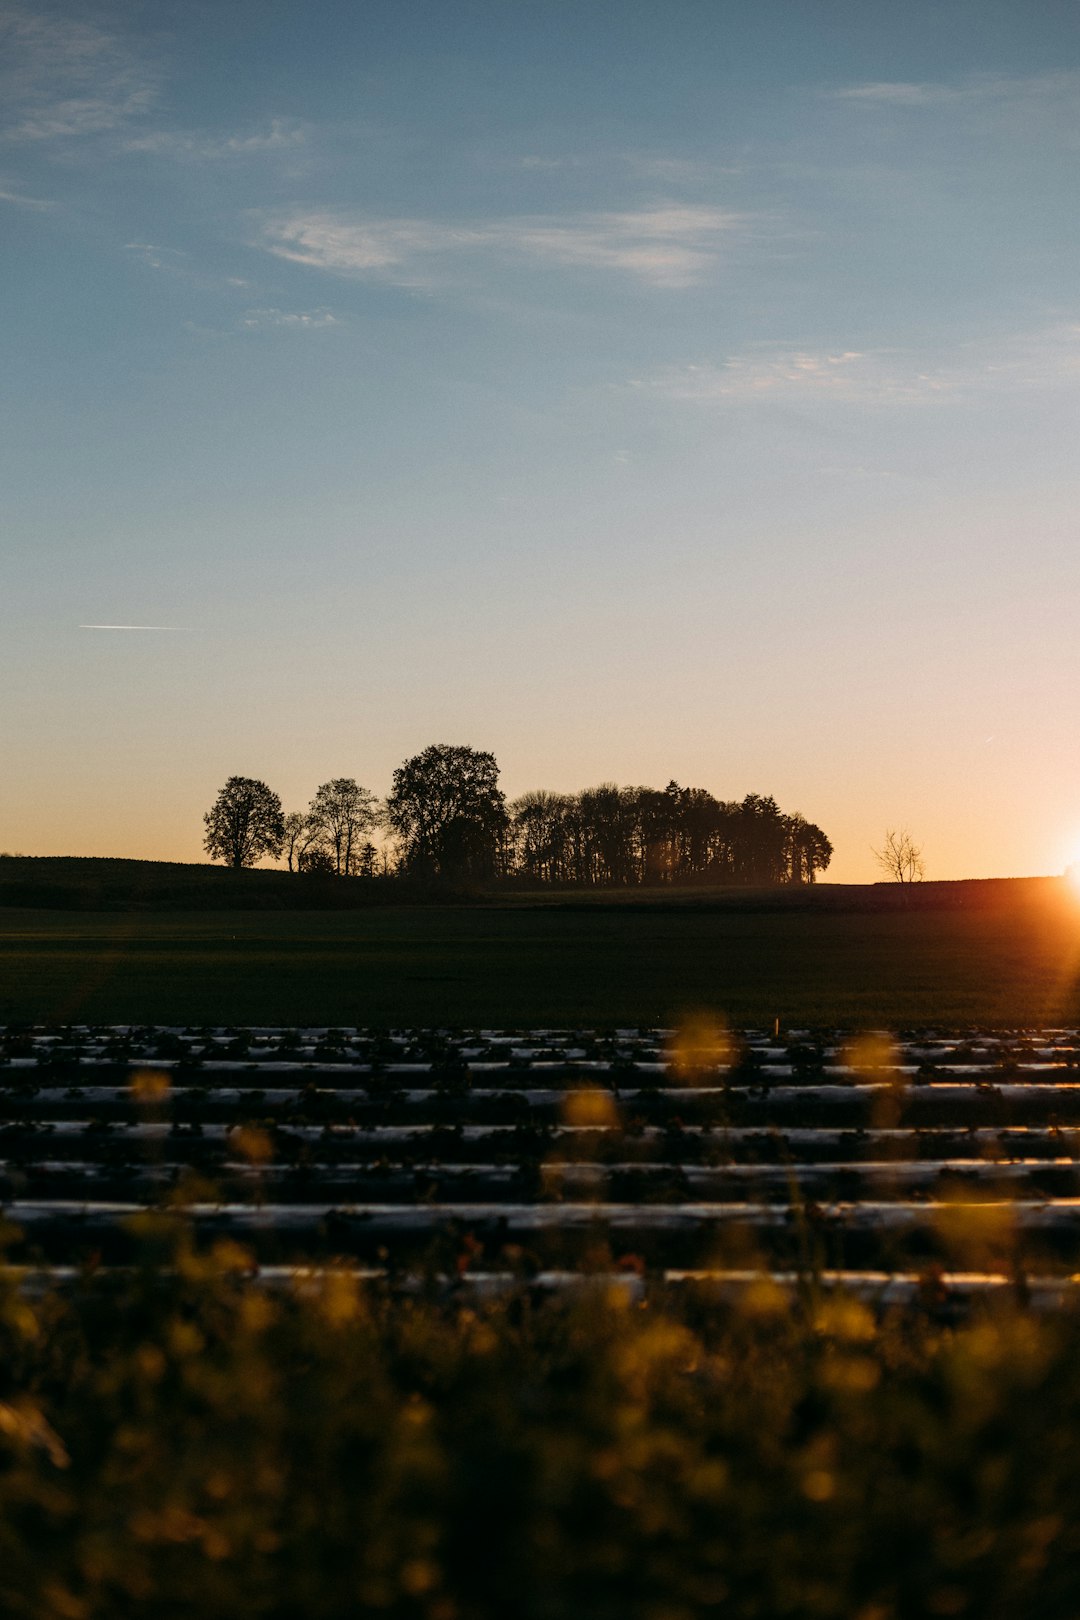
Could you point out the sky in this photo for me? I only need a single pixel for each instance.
(638, 392)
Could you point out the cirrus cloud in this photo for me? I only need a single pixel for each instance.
(770, 373)
(63, 76)
(280, 136)
(979, 87)
(296, 320)
(673, 245)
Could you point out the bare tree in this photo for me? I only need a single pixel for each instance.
(297, 838)
(303, 835)
(900, 858)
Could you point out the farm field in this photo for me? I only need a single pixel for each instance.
(1012, 960)
(548, 1151)
(552, 1323)
(518, 1285)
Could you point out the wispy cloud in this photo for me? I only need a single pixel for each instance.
(21, 200)
(872, 377)
(64, 76)
(159, 258)
(132, 627)
(269, 319)
(889, 93)
(297, 320)
(770, 374)
(673, 245)
(178, 262)
(663, 168)
(677, 171)
(281, 135)
(976, 88)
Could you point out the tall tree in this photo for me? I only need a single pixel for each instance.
(342, 812)
(540, 835)
(808, 849)
(696, 827)
(610, 833)
(760, 838)
(244, 823)
(446, 808)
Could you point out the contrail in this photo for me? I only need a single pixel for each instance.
(131, 627)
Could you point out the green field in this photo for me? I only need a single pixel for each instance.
(1011, 959)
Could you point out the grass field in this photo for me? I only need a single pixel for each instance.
(1013, 960)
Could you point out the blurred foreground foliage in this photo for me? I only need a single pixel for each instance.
(182, 1442)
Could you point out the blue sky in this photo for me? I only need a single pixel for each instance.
(635, 391)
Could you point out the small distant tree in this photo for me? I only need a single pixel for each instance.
(316, 861)
(244, 823)
(300, 836)
(900, 858)
(367, 858)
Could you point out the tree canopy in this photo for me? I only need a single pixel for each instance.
(446, 809)
(340, 814)
(448, 818)
(244, 823)
(611, 835)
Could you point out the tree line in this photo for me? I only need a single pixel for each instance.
(447, 818)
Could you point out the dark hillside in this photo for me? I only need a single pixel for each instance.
(74, 883)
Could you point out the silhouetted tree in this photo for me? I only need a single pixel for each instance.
(808, 850)
(758, 844)
(316, 861)
(539, 835)
(340, 813)
(900, 858)
(446, 808)
(450, 819)
(301, 834)
(611, 835)
(607, 829)
(698, 835)
(244, 823)
(366, 860)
